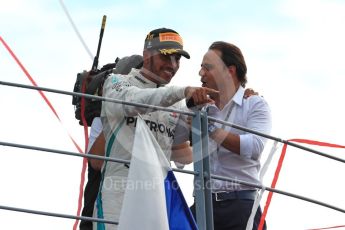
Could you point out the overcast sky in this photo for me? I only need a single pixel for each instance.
(295, 55)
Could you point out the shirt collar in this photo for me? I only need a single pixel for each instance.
(238, 97)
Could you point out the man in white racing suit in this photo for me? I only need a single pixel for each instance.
(162, 52)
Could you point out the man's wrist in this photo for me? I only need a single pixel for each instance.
(211, 128)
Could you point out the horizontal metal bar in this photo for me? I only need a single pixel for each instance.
(277, 139)
(153, 107)
(89, 156)
(278, 191)
(43, 213)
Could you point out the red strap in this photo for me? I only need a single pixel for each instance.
(29, 77)
(82, 176)
(273, 185)
(319, 143)
(339, 226)
(81, 191)
(279, 166)
(83, 170)
(39, 91)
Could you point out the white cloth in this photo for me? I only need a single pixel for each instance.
(252, 113)
(154, 187)
(148, 171)
(119, 121)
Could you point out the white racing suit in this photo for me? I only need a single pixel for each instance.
(119, 122)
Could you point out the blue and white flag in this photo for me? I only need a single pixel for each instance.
(153, 199)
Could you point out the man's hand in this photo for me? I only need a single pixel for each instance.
(98, 148)
(200, 95)
(182, 153)
(249, 92)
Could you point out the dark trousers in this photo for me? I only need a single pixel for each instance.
(90, 195)
(233, 214)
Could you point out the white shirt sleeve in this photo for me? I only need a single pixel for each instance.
(96, 129)
(258, 119)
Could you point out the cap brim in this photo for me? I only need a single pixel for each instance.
(174, 51)
(184, 54)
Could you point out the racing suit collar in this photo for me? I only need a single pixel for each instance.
(143, 80)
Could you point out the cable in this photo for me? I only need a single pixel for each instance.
(75, 29)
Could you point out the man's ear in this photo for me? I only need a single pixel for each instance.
(146, 54)
(232, 70)
(147, 58)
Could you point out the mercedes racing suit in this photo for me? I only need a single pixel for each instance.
(119, 122)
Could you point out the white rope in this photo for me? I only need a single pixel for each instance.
(263, 189)
(268, 160)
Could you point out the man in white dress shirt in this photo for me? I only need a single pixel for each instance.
(233, 153)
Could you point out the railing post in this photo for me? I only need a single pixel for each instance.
(200, 208)
(207, 172)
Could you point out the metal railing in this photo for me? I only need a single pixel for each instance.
(202, 173)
